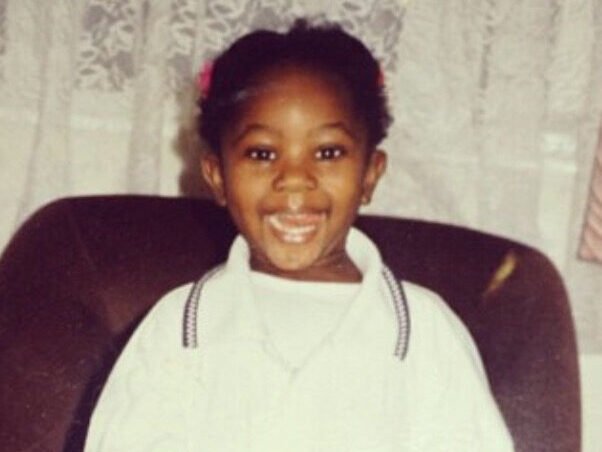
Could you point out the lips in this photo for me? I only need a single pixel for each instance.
(295, 228)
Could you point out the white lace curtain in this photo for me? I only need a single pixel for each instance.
(496, 102)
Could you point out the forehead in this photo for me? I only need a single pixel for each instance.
(296, 77)
(289, 89)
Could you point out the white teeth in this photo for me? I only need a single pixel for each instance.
(292, 234)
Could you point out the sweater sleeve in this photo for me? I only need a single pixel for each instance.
(144, 404)
(468, 418)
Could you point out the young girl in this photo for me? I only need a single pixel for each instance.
(301, 340)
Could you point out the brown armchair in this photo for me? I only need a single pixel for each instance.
(81, 272)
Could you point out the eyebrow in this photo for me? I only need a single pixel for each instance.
(249, 128)
(253, 127)
(339, 125)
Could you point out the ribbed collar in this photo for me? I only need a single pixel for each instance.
(228, 313)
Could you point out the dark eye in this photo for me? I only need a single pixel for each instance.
(261, 154)
(330, 153)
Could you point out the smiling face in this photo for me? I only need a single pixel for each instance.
(294, 168)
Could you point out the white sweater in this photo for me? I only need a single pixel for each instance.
(352, 393)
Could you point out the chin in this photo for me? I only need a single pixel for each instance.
(292, 262)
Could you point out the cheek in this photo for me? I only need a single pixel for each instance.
(344, 185)
(245, 194)
(242, 183)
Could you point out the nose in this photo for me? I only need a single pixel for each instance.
(294, 176)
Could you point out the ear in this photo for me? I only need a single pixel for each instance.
(376, 166)
(211, 169)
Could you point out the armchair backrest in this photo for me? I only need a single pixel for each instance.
(80, 273)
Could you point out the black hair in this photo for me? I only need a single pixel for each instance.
(324, 48)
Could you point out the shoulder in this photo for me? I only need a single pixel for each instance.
(149, 383)
(424, 304)
(155, 344)
(159, 334)
(166, 316)
(449, 375)
(435, 327)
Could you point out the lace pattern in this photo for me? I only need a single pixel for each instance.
(183, 24)
(112, 32)
(106, 59)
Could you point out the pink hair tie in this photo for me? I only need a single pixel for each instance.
(204, 78)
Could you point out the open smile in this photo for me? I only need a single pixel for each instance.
(295, 228)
